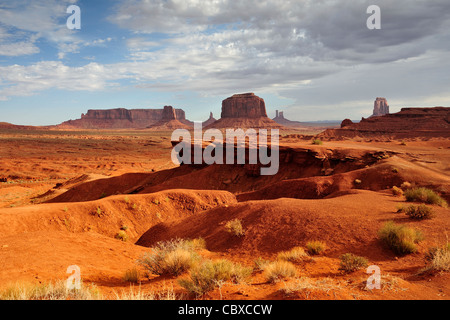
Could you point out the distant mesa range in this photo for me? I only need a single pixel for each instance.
(122, 118)
(409, 122)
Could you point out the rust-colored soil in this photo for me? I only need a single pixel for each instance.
(68, 194)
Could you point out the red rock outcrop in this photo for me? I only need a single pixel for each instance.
(245, 105)
(380, 107)
(169, 121)
(280, 119)
(211, 120)
(346, 123)
(409, 122)
(244, 111)
(122, 118)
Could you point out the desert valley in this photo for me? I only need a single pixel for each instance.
(101, 193)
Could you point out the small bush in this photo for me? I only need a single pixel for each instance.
(424, 195)
(439, 258)
(170, 257)
(405, 185)
(296, 254)
(277, 270)
(403, 143)
(420, 212)
(132, 275)
(357, 181)
(208, 275)
(315, 247)
(350, 262)
(396, 191)
(317, 142)
(260, 264)
(399, 238)
(394, 170)
(235, 227)
(50, 291)
(122, 235)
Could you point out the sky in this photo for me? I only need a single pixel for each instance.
(313, 59)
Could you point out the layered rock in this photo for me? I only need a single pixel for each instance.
(380, 107)
(280, 119)
(409, 122)
(244, 111)
(169, 120)
(210, 120)
(245, 105)
(122, 118)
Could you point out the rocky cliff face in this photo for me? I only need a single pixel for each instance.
(246, 105)
(122, 118)
(244, 111)
(409, 122)
(380, 107)
(210, 120)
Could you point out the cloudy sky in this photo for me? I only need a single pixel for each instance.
(313, 59)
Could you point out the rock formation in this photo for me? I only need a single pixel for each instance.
(346, 123)
(122, 118)
(245, 105)
(211, 120)
(380, 107)
(409, 122)
(169, 120)
(244, 111)
(280, 119)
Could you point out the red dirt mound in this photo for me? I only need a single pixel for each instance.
(347, 224)
(107, 216)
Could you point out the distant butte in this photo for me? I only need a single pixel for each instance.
(380, 107)
(409, 122)
(122, 118)
(244, 110)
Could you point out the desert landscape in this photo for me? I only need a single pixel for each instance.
(101, 193)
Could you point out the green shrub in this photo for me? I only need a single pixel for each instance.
(420, 212)
(210, 274)
(399, 238)
(317, 142)
(277, 270)
(235, 227)
(424, 195)
(350, 262)
(315, 247)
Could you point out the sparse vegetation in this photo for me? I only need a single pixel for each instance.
(399, 238)
(260, 264)
(403, 143)
(317, 142)
(405, 185)
(315, 247)
(424, 195)
(439, 258)
(235, 227)
(296, 254)
(210, 274)
(396, 191)
(170, 257)
(132, 275)
(419, 212)
(280, 269)
(98, 212)
(124, 227)
(122, 235)
(307, 286)
(394, 170)
(50, 291)
(357, 181)
(351, 263)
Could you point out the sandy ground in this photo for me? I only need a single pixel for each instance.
(68, 194)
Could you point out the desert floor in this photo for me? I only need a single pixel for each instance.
(69, 193)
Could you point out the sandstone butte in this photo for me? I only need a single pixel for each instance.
(244, 110)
